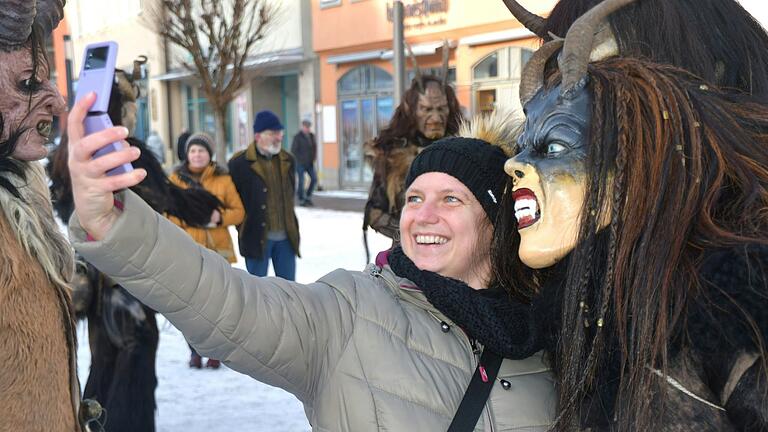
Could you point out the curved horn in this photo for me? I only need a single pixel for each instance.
(579, 42)
(532, 79)
(416, 70)
(49, 13)
(16, 18)
(531, 21)
(446, 55)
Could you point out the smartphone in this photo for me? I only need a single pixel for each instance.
(97, 75)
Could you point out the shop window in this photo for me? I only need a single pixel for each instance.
(352, 81)
(365, 107)
(488, 67)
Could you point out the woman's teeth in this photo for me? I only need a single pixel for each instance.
(430, 239)
(44, 128)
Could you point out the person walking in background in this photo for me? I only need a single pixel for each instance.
(264, 175)
(304, 149)
(201, 171)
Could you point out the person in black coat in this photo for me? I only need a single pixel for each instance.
(304, 149)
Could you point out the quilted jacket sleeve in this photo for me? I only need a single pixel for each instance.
(283, 333)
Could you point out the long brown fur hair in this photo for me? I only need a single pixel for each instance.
(682, 167)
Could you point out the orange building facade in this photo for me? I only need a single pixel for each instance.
(353, 42)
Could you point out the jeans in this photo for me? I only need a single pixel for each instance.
(283, 260)
(309, 169)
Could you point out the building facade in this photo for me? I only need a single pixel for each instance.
(280, 76)
(127, 23)
(353, 43)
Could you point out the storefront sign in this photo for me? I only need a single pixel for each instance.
(421, 13)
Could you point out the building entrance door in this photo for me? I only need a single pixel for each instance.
(365, 106)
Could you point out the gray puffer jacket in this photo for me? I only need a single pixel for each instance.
(364, 351)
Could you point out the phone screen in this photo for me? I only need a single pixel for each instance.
(96, 58)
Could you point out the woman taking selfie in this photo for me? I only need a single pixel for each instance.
(398, 346)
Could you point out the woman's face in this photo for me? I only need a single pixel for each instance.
(198, 157)
(549, 176)
(442, 229)
(29, 103)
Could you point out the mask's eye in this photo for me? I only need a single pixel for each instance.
(29, 85)
(554, 149)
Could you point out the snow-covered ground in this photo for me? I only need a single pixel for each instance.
(190, 400)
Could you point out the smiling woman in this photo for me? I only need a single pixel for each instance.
(393, 347)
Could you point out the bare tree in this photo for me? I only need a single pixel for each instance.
(219, 36)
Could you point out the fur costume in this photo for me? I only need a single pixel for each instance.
(654, 313)
(42, 393)
(39, 390)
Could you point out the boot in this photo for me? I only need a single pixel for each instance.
(195, 361)
(213, 364)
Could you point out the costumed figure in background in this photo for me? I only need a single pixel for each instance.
(39, 390)
(428, 112)
(123, 333)
(638, 204)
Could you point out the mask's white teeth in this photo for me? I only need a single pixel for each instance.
(430, 239)
(44, 128)
(525, 207)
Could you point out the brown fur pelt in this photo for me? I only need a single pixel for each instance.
(39, 390)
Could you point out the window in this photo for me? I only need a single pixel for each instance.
(488, 67)
(329, 3)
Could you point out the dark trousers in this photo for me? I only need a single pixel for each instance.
(283, 260)
(309, 169)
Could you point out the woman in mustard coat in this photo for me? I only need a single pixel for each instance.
(199, 170)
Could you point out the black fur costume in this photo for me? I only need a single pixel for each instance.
(702, 358)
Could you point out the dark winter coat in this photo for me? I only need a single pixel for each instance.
(304, 148)
(714, 357)
(249, 178)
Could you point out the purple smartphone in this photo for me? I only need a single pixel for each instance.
(97, 75)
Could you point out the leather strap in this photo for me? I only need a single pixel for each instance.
(477, 393)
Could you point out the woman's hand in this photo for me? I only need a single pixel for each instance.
(91, 187)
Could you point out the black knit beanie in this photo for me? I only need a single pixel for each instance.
(475, 163)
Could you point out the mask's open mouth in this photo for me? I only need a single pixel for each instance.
(526, 208)
(44, 128)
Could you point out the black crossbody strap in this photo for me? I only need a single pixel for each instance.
(477, 393)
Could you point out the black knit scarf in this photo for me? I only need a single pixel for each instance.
(488, 315)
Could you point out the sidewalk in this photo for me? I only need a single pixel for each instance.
(353, 201)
